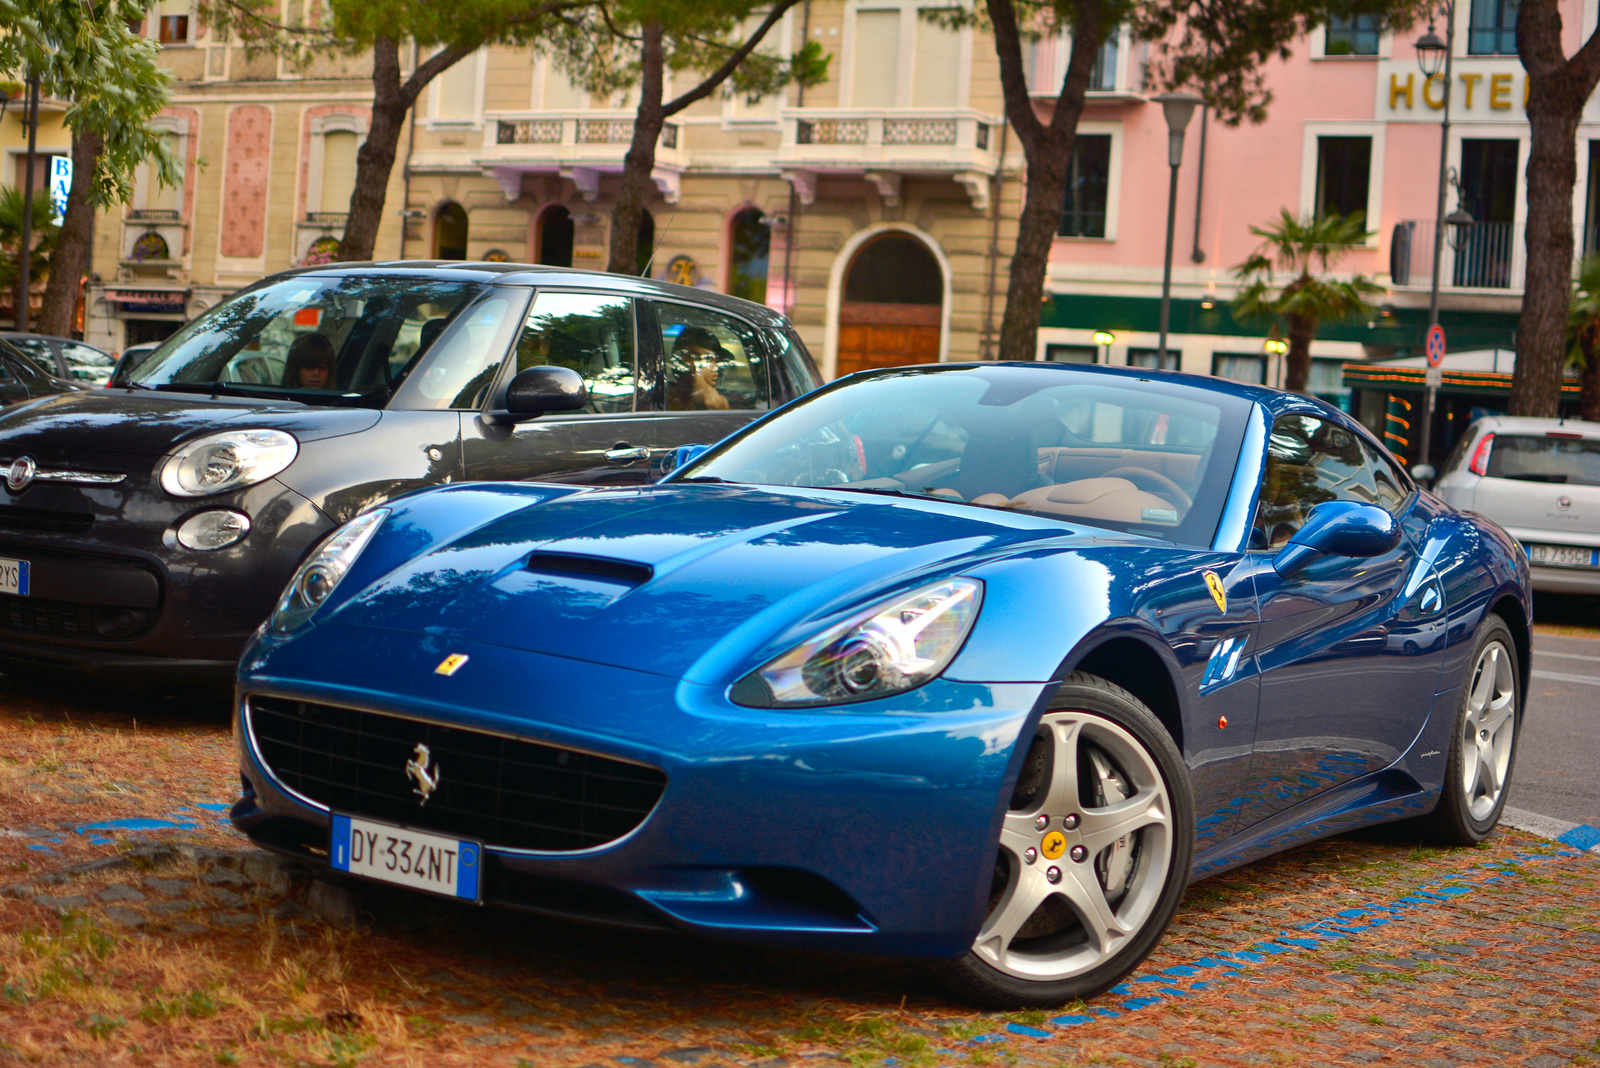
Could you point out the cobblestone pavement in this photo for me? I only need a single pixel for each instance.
(137, 928)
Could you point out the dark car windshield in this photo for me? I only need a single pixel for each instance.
(322, 340)
(1143, 455)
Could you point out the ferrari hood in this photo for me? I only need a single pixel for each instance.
(650, 579)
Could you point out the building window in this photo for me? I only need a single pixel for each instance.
(174, 29)
(1354, 36)
(1103, 78)
(455, 91)
(1240, 367)
(338, 170)
(875, 74)
(1147, 358)
(1344, 170)
(1088, 183)
(749, 255)
(935, 83)
(1492, 29)
(1070, 353)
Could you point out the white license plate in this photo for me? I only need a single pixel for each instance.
(14, 577)
(405, 857)
(1556, 555)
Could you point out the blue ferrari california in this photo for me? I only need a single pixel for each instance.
(980, 664)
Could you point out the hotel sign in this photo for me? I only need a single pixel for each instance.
(1485, 90)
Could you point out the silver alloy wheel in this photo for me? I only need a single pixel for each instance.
(1488, 729)
(1056, 918)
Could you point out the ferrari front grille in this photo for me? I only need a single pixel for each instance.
(503, 791)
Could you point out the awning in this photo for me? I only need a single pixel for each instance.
(1481, 371)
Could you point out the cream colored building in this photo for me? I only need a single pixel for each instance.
(268, 157)
(53, 139)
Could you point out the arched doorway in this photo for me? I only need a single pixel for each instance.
(749, 250)
(555, 236)
(450, 232)
(892, 306)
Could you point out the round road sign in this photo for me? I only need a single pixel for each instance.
(1435, 345)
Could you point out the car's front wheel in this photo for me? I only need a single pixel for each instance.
(1483, 746)
(1094, 854)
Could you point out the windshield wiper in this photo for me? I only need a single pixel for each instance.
(884, 491)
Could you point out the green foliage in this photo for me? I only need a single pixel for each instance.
(598, 47)
(84, 52)
(1304, 250)
(45, 229)
(1585, 312)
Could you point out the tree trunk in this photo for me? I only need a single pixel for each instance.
(375, 162)
(74, 242)
(641, 158)
(1047, 150)
(1557, 91)
(1297, 372)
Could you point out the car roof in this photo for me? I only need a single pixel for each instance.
(1539, 425)
(533, 274)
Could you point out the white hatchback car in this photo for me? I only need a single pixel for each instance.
(1540, 480)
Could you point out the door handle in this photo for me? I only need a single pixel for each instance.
(623, 453)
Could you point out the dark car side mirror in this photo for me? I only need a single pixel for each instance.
(1339, 528)
(1424, 474)
(542, 389)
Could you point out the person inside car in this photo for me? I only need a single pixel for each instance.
(310, 364)
(695, 370)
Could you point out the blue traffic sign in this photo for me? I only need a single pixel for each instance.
(1435, 345)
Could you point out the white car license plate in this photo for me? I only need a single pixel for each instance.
(400, 855)
(14, 577)
(1556, 555)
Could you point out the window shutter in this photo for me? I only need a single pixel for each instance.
(338, 170)
(875, 73)
(165, 197)
(936, 77)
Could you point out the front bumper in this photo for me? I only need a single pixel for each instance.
(871, 828)
(1564, 579)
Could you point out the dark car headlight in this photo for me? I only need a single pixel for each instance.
(323, 569)
(894, 646)
(230, 460)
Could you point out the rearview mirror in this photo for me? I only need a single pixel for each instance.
(546, 388)
(1339, 528)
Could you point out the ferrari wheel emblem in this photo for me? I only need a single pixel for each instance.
(451, 664)
(1054, 844)
(418, 771)
(1218, 594)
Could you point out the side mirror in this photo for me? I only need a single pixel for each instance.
(682, 456)
(1339, 528)
(546, 388)
(1424, 474)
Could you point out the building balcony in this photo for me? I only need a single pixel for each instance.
(886, 144)
(580, 145)
(1478, 255)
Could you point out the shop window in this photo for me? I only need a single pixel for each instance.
(1070, 353)
(1148, 358)
(1240, 367)
(555, 236)
(1344, 172)
(1088, 185)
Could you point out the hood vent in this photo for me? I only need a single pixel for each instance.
(620, 572)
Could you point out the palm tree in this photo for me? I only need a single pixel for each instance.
(1294, 247)
(1585, 331)
(45, 229)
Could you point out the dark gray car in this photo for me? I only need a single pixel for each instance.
(62, 357)
(150, 527)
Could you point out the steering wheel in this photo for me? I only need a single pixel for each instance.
(1163, 485)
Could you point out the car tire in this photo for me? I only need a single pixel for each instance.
(1483, 742)
(1074, 905)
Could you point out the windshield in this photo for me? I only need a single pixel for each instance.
(322, 340)
(1571, 461)
(1134, 454)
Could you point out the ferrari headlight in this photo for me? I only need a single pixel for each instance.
(229, 460)
(896, 646)
(322, 571)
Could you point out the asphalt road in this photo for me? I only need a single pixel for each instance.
(1556, 773)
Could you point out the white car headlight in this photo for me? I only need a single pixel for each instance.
(229, 460)
(896, 646)
(322, 571)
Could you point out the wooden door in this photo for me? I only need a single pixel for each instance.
(886, 335)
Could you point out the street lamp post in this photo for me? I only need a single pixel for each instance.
(30, 118)
(1178, 108)
(1103, 339)
(1434, 56)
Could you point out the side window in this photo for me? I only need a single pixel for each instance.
(592, 333)
(39, 351)
(714, 362)
(86, 364)
(461, 365)
(1309, 461)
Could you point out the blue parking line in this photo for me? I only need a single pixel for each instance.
(1580, 837)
